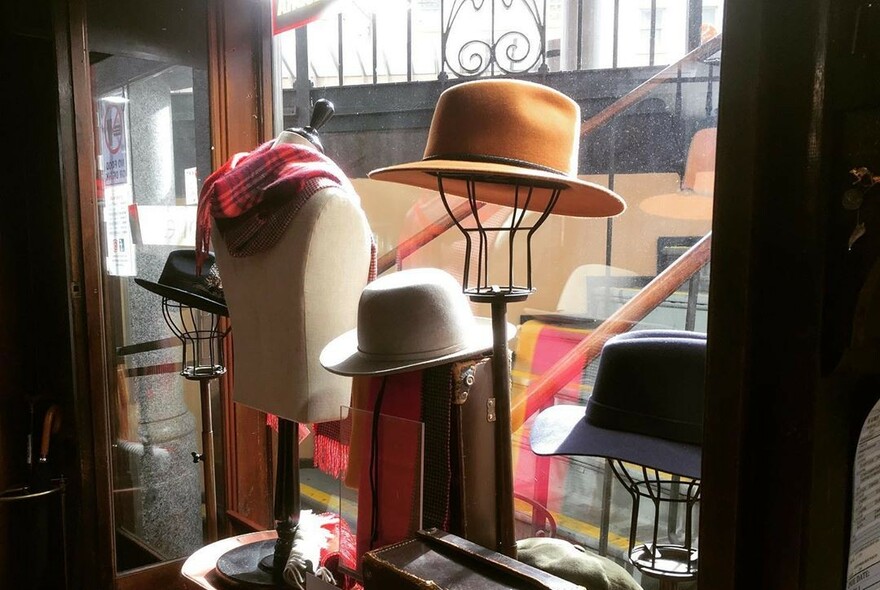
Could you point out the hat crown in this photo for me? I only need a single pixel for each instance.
(506, 120)
(651, 382)
(180, 272)
(413, 315)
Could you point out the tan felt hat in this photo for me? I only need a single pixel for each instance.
(505, 133)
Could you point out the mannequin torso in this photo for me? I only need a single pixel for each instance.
(286, 303)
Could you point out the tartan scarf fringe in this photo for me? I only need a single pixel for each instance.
(331, 454)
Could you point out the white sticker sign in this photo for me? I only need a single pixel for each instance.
(114, 135)
(115, 192)
(119, 255)
(863, 571)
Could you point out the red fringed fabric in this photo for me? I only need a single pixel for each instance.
(331, 454)
(302, 431)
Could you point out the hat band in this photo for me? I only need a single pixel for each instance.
(613, 418)
(488, 159)
(414, 356)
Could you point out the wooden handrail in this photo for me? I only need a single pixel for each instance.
(705, 50)
(388, 260)
(541, 392)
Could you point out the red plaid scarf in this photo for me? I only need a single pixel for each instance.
(254, 196)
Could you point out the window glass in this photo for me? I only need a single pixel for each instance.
(647, 133)
(149, 80)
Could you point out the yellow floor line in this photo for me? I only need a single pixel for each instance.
(578, 526)
(331, 501)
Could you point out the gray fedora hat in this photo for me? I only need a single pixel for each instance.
(646, 406)
(410, 320)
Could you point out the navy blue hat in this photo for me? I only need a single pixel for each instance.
(646, 407)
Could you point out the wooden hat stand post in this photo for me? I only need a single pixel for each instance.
(201, 333)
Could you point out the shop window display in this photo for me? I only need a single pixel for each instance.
(636, 144)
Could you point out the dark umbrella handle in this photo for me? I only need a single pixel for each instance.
(51, 425)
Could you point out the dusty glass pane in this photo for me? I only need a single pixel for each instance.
(154, 151)
(646, 77)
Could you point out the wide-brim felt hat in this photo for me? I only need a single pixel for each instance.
(500, 133)
(407, 321)
(181, 282)
(694, 200)
(646, 406)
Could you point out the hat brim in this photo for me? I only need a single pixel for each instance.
(184, 297)
(689, 206)
(578, 198)
(563, 430)
(341, 355)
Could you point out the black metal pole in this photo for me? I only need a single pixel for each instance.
(287, 499)
(506, 538)
(695, 18)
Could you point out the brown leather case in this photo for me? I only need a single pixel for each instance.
(473, 453)
(438, 560)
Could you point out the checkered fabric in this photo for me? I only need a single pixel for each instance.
(253, 196)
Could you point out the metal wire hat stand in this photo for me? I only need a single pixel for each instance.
(507, 288)
(201, 333)
(477, 285)
(674, 560)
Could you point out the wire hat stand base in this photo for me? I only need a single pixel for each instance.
(477, 283)
(492, 293)
(675, 558)
(201, 335)
(665, 561)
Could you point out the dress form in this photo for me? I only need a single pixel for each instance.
(285, 305)
(290, 301)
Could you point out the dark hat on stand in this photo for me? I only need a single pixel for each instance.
(180, 282)
(646, 407)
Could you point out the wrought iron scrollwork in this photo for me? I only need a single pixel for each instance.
(498, 49)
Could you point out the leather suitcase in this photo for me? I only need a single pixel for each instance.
(473, 453)
(455, 403)
(439, 560)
